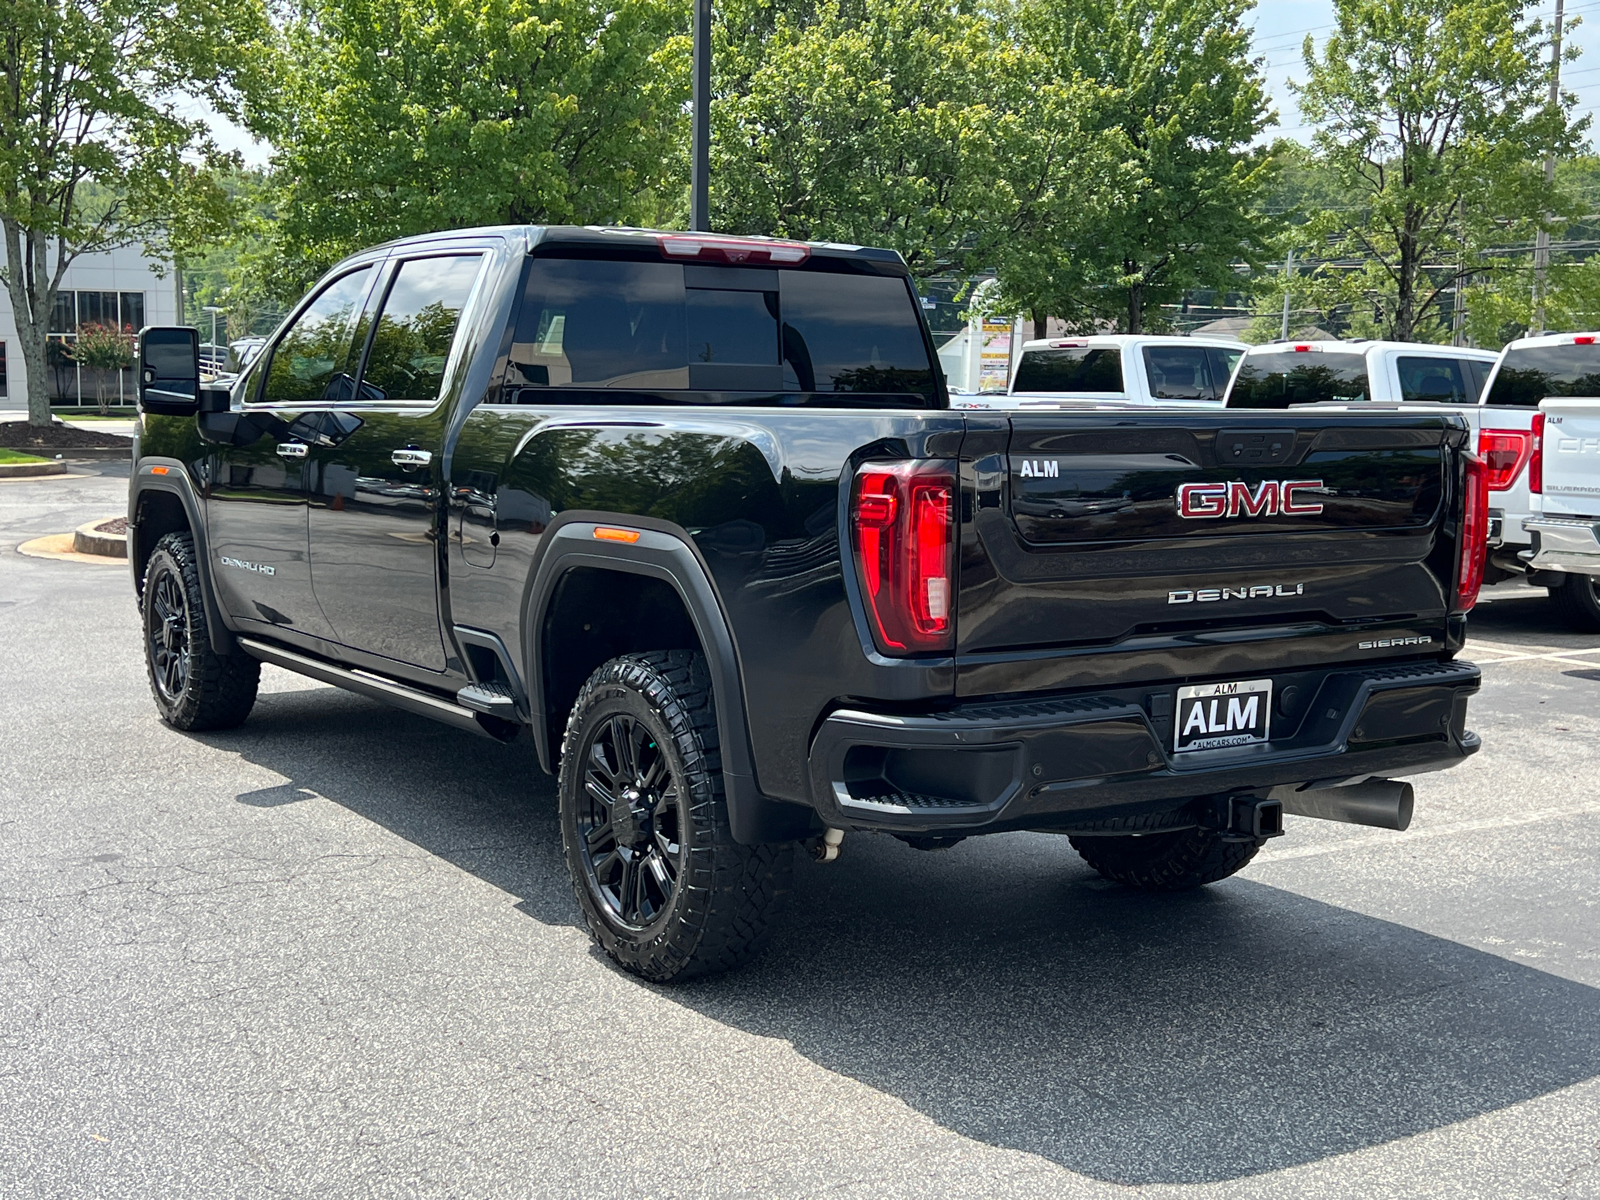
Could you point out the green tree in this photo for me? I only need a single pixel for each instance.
(94, 153)
(1176, 94)
(909, 124)
(102, 348)
(406, 116)
(1434, 116)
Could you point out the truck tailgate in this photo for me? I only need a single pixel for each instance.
(1108, 550)
(1571, 456)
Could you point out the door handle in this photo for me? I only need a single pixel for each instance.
(292, 449)
(411, 457)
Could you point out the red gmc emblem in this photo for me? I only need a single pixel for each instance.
(1204, 501)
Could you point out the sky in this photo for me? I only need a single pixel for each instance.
(1281, 26)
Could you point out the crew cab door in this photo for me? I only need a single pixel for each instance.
(375, 508)
(257, 476)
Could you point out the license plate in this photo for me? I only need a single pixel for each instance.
(1213, 715)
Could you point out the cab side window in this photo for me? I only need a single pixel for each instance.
(415, 328)
(312, 360)
(1434, 381)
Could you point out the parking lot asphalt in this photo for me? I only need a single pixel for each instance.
(335, 953)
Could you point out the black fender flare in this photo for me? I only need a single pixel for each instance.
(168, 475)
(663, 551)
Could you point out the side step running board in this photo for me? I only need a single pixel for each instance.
(411, 699)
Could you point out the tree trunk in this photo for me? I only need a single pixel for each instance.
(1041, 325)
(1136, 308)
(1402, 328)
(25, 272)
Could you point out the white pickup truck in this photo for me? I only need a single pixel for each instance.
(1556, 378)
(1373, 374)
(1116, 370)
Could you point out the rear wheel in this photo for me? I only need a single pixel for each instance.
(663, 886)
(1166, 862)
(194, 687)
(1578, 602)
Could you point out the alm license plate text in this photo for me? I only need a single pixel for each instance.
(1213, 715)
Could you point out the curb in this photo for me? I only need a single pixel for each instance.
(86, 539)
(28, 470)
(59, 546)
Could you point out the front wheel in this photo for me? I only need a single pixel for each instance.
(1166, 862)
(1578, 602)
(664, 888)
(195, 688)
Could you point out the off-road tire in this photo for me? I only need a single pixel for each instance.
(1578, 602)
(194, 687)
(727, 895)
(1174, 861)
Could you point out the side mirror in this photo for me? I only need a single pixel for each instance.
(169, 370)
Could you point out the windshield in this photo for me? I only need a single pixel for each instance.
(1529, 374)
(1074, 369)
(1278, 380)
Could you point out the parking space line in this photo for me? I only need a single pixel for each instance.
(1375, 841)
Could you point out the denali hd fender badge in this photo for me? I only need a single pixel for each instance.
(1207, 501)
(1260, 591)
(258, 568)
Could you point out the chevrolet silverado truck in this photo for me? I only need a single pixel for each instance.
(694, 514)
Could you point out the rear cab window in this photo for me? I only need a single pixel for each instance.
(1189, 372)
(1286, 378)
(1529, 374)
(1070, 369)
(692, 333)
(1433, 379)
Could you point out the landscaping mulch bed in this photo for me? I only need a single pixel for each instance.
(117, 525)
(19, 435)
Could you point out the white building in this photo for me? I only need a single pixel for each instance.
(118, 288)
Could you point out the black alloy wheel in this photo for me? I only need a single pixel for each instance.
(194, 687)
(167, 634)
(629, 828)
(663, 886)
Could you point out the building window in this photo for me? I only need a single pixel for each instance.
(73, 310)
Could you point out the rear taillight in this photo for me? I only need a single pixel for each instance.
(1474, 532)
(1536, 456)
(902, 528)
(1505, 452)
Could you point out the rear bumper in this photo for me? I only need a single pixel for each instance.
(1056, 763)
(1564, 544)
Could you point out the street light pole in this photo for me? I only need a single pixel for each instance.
(1541, 241)
(700, 143)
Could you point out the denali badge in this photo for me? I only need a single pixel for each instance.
(1203, 501)
(1385, 643)
(1260, 591)
(258, 568)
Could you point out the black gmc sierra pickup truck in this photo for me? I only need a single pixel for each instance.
(694, 513)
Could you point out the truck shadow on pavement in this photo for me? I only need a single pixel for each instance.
(1004, 991)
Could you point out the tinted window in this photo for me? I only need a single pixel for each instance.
(1478, 375)
(1530, 374)
(415, 328)
(670, 327)
(853, 333)
(1077, 369)
(1224, 360)
(1278, 380)
(1180, 373)
(1435, 380)
(312, 359)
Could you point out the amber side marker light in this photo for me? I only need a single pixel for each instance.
(607, 534)
(159, 470)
